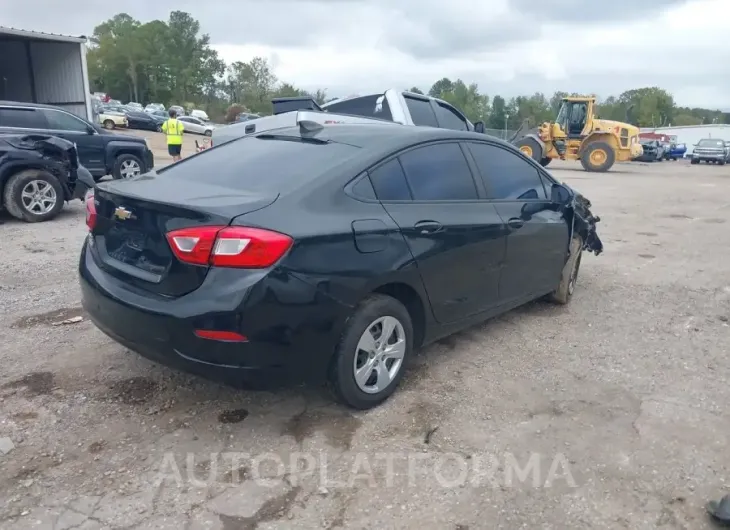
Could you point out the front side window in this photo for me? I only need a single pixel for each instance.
(449, 119)
(506, 175)
(439, 172)
(62, 121)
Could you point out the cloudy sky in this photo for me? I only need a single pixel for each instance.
(508, 47)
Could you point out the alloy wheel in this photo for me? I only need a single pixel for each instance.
(38, 197)
(129, 169)
(379, 355)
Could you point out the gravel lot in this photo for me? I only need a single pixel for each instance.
(619, 399)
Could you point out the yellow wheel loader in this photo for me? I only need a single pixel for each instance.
(576, 134)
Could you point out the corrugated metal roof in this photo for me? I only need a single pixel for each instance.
(15, 32)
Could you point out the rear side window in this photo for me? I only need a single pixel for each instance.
(439, 172)
(22, 118)
(389, 182)
(449, 119)
(60, 121)
(367, 106)
(257, 164)
(421, 112)
(506, 174)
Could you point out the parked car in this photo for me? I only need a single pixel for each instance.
(38, 173)
(393, 105)
(200, 114)
(137, 119)
(327, 251)
(154, 107)
(101, 152)
(177, 108)
(677, 151)
(653, 151)
(197, 126)
(135, 106)
(710, 150)
(114, 102)
(246, 116)
(111, 119)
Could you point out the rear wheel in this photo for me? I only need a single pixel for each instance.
(545, 161)
(208, 132)
(33, 196)
(530, 147)
(598, 157)
(569, 276)
(694, 161)
(372, 354)
(109, 124)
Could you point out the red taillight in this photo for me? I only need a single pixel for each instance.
(90, 209)
(223, 336)
(229, 246)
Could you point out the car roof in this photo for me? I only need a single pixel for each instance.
(375, 135)
(27, 105)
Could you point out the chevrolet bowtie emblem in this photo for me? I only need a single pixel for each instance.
(123, 214)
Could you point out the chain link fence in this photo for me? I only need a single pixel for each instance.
(502, 134)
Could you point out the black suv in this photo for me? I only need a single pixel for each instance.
(100, 151)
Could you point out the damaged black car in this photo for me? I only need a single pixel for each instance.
(38, 174)
(327, 251)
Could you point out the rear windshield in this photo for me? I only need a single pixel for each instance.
(256, 164)
(711, 143)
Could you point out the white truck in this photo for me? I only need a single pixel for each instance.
(405, 108)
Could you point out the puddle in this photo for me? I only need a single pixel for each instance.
(714, 220)
(678, 216)
(337, 427)
(134, 390)
(36, 383)
(271, 510)
(647, 256)
(97, 447)
(649, 234)
(233, 416)
(25, 416)
(47, 318)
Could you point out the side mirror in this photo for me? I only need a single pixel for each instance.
(479, 127)
(531, 208)
(559, 194)
(91, 129)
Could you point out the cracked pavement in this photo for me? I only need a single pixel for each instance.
(617, 401)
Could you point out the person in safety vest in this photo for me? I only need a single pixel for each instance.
(173, 129)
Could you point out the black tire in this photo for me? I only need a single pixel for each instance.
(694, 161)
(545, 161)
(342, 373)
(109, 124)
(12, 196)
(585, 158)
(158, 128)
(120, 162)
(208, 133)
(569, 276)
(721, 162)
(535, 151)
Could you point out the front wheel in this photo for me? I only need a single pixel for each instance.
(569, 276)
(372, 354)
(598, 157)
(208, 133)
(694, 161)
(109, 124)
(545, 161)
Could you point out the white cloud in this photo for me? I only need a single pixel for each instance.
(682, 49)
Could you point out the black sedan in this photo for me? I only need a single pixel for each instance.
(138, 119)
(327, 251)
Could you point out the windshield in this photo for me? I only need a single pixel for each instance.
(711, 143)
(562, 113)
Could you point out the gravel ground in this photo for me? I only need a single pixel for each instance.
(617, 401)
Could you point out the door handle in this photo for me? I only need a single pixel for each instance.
(515, 223)
(428, 227)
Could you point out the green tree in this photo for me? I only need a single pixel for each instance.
(415, 90)
(440, 87)
(498, 115)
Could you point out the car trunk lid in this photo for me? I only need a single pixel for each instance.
(134, 216)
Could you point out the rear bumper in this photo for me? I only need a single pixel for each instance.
(292, 328)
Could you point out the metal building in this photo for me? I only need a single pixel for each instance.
(45, 68)
(691, 134)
